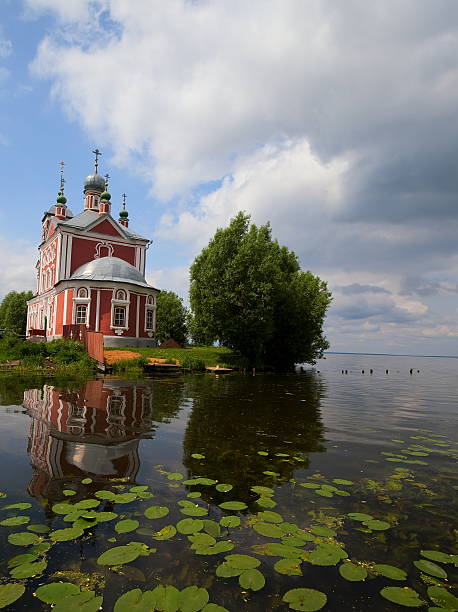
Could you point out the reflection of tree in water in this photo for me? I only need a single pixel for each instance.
(93, 431)
(234, 417)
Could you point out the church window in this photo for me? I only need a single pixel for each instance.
(119, 318)
(150, 300)
(149, 319)
(81, 313)
(120, 294)
(82, 292)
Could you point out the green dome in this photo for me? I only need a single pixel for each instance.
(61, 199)
(123, 214)
(105, 196)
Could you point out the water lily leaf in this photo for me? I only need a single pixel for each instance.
(103, 517)
(290, 567)
(270, 517)
(197, 456)
(80, 602)
(436, 555)
(201, 540)
(85, 504)
(288, 528)
(352, 572)
(224, 488)
(306, 600)
(53, 592)
(390, 571)
(126, 526)
(27, 570)
(190, 525)
(194, 494)
(252, 579)
(292, 541)
(263, 491)
(63, 508)
(69, 492)
(136, 600)
(242, 561)
(233, 505)
(207, 482)
(102, 494)
(125, 498)
(324, 555)
(268, 530)
(212, 527)
(266, 502)
(430, 568)
(167, 598)
(275, 549)
(323, 531)
(220, 547)
(63, 535)
(40, 549)
(230, 521)
(38, 528)
(270, 473)
(20, 559)
(18, 506)
(119, 555)
(341, 481)
(226, 571)
(305, 536)
(310, 485)
(165, 533)
(193, 599)
(9, 593)
(403, 596)
(442, 597)
(175, 476)
(263, 453)
(138, 488)
(156, 512)
(323, 492)
(360, 516)
(14, 521)
(23, 538)
(377, 525)
(194, 511)
(86, 480)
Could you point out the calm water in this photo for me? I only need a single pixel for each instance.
(393, 437)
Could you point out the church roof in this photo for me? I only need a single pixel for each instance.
(110, 269)
(87, 218)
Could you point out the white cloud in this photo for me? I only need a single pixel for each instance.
(18, 271)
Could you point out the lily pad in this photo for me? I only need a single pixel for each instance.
(224, 488)
(212, 527)
(165, 533)
(360, 516)
(85, 601)
(63, 535)
(193, 599)
(14, 521)
(27, 570)
(430, 568)
(20, 559)
(341, 481)
(377, 525)
(63, 508)
(324, 555)
(126, 526)
(9, 593)
(105, 494)
(125, 498)
(136, 601)
(233, 505)
(156, 512)
(175, 476)
(310, 485)
(226, 571)
(18, 506)
(23, 538)
(212, 607)
(69, 492)
(263, 491)
(280, 550)
(197, 456)
(53, 592)
(443, 597)
(86, 480)
(270, 517)
(39, 528)
(289, 567)
(323, 531)
(252, 579)
(242, 561)
(437, 555)
(190, 525)
(266, 502)
(390, 571)
(352, 572)
(268, 530)
(119, 555)
(403, 596)
(86, 504)
(230, 521)
(194, 510)
(305, 600)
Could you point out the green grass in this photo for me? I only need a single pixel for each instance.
(210, 355)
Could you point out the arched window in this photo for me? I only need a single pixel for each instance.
(81, 313)
(82, 292)
(119, 316)
(150, 300)
(120, 294)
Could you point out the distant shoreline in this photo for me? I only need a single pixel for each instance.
(392, 355)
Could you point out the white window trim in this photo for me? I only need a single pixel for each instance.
(81, 301)
(115, 302)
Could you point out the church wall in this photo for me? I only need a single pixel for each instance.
(60, 313)
(105, 227)
(84, 250)
(93, 309)
(105, 311)
(132, 316)
(124, 252)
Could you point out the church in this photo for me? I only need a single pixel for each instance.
(91, 271)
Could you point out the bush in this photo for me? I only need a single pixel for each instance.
(66, 351)
(33, 361)
(192, 363)
(129, 364)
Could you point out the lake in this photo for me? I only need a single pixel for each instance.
(331, 480)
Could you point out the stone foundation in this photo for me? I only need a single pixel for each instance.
(115, 341)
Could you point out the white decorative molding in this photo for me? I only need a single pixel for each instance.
(101, 245)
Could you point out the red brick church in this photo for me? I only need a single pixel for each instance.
(91, 271)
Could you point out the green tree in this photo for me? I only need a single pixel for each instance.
(171, 317)
(249, 293)
(13, 311)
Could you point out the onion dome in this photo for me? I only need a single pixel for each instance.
(94, 182)
(105, 196)
(123, 213)
(61, 199)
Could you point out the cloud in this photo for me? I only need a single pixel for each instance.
(423, 287)
(18, 271)
(356, 288)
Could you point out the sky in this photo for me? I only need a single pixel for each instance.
(335, 121)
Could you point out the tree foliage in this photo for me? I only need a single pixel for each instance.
(249, 293)
(171, 317)
(13, 311)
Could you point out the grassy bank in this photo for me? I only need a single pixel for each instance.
(205, 355)
(60, 358)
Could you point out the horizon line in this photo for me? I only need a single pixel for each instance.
(389, 354)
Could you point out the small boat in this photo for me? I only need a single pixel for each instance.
(162, 367)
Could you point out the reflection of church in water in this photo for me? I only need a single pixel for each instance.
(93, 432)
